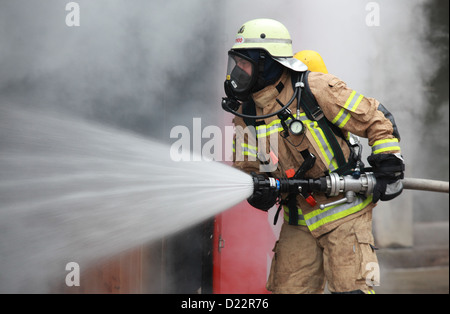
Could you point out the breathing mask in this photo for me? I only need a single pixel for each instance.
(249, 71)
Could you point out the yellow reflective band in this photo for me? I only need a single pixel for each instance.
(249, 146)
(249, 150)
(344, 122)
(347, 136)
(351, 104)
(381, 146)
(349, 99)
(323, 144)
(318, 217)
(247, 153)
(301, 220)
(267, 129)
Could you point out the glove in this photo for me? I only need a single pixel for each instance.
(388, 170)
(264, 198)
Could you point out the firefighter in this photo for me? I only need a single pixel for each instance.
(288, 117)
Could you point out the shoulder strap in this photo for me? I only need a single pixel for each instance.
(248, 108)
(315, 113)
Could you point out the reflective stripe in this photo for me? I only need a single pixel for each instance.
(318, 217)
(353, 102)
(267, 129)
(385, 145)
(267, 41)
(348, 136)
(249, 150)
(350, 105)
(323, 144)
(301, 219)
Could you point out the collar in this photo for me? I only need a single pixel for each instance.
(268, 94)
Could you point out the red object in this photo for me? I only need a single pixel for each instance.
(290, 172)
(243, 242)
(273, 157)
(311, 200)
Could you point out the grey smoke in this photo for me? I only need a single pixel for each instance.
(143, 66)
(133, 65)
(146, 66)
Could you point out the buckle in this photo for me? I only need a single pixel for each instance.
(317, 115)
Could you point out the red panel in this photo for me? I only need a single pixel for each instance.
(242, 264)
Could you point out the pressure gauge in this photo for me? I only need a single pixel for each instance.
(296, 127)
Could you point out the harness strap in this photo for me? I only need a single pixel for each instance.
(314, 112)
(248, 108)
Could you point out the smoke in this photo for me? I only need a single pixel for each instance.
(142, 66)
(150, 65)
(138, 65)
(146, 66)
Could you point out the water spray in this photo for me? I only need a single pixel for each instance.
(76, 191)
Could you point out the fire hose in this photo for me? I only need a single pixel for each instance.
(334, 184)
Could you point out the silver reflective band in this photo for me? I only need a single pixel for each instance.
(385, 146)
(335, 210)
(267, 40)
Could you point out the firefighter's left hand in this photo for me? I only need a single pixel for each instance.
(385, 191)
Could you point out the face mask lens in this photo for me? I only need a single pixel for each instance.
(239, 72)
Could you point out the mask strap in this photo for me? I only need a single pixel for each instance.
(261, 64)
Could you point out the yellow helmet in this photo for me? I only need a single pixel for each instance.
(271, 36)
(313, 60)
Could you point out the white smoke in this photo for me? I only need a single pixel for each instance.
(139, 65)
(148, 65)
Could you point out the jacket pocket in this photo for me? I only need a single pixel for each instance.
(335, 81)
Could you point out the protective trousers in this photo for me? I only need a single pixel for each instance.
(344, 258)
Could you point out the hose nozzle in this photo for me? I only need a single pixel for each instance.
(271, 185)
(262, 183)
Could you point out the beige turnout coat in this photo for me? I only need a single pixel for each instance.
(263, 149)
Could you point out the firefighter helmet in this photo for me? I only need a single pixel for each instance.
(271, 36)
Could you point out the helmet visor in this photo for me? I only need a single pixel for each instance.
(240, 72)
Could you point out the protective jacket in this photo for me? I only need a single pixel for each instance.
(261, 145)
